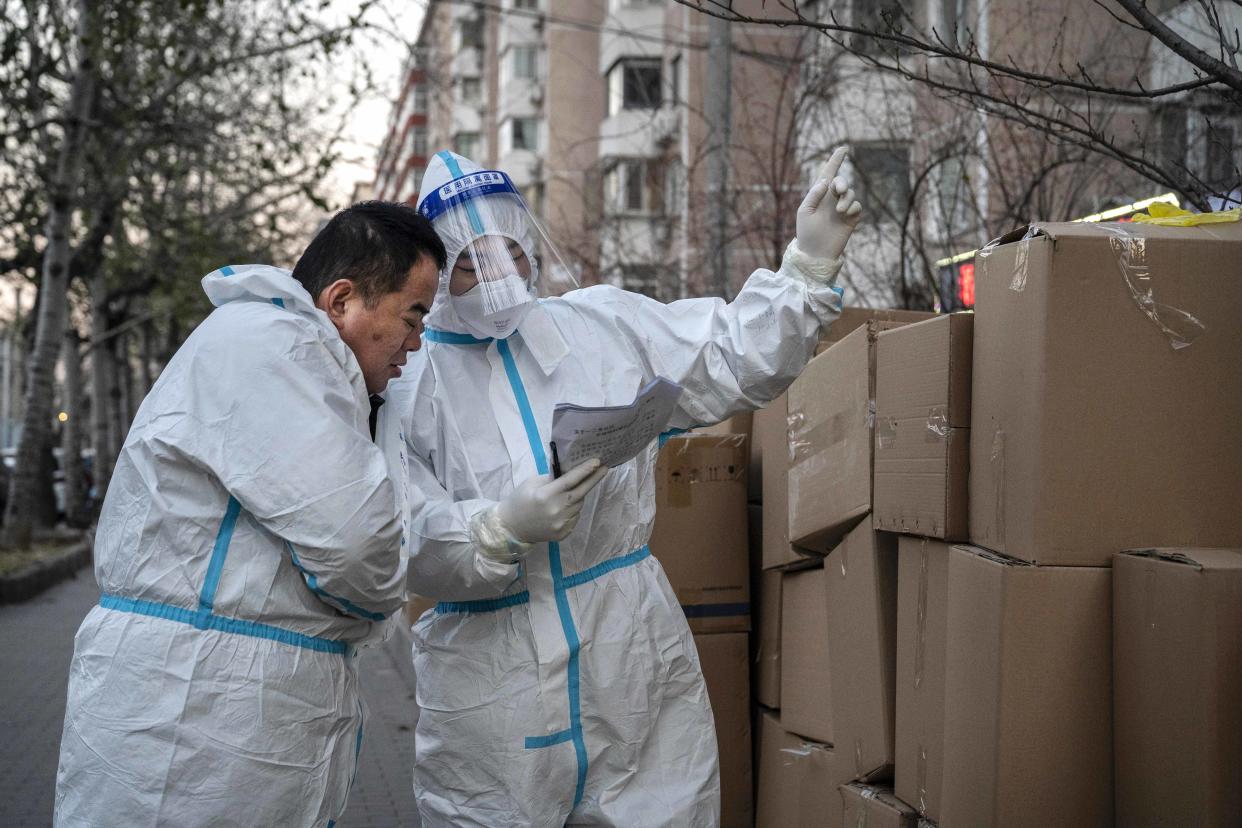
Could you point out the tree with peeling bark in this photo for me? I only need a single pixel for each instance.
(176, 155)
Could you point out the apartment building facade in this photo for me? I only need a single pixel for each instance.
(600, 111)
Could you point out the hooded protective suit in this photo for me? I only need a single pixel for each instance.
(567, 689)
(251, 535)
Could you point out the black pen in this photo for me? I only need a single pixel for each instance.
(556, 462)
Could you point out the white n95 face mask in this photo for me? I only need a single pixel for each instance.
(471, 310)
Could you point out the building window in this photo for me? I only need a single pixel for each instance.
(635, 185)
(530, 5)
(952, 28)
(884, 173)
(674, 71)
(470, 90)
(1222, 174)
(885, 17)
(953, 194)
(467, 144)
(525, 62)
(420, 98)
(1171, 133)
(418, 141)
(471, 29)
(642, 278)
(525, 133)
(634, 83)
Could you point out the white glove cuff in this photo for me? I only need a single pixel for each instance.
(494, 541)
(808, 268)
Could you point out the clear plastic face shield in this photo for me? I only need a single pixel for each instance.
(501, 257)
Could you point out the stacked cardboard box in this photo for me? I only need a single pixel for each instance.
(812, 605)
(1177, 677)
(701, 539)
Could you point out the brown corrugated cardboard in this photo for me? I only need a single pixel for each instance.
(1177, 670)
(922, 438)
(770, 430)
(861, 579)
(797, 785)
(416, 606)
(743, 424)
(852, 318)
(767, 640)
(1028, 693)
(922, 598)
(875, 806)
(806, 691)
(831, 413)
(830, 442)
(700, 533)
(1105, 392)
(724, 657)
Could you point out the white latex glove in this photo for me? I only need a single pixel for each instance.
(829, 212)
(541, 509)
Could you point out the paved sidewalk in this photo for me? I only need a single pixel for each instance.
(36, 645)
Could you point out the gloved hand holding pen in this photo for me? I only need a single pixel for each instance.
(541, 509)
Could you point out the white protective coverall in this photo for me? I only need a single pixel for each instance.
(251, 535)
(567, 689)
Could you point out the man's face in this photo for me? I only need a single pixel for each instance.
(380, 336)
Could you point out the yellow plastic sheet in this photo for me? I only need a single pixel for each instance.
(1170, 216)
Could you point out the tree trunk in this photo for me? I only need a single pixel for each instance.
(124, 391)
(146, 358)
(63, 192)
(76, 512)
(102, 404)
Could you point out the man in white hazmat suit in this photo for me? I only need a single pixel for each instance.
(557, 678)
(253, 534)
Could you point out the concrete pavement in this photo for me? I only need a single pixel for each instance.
(36, 645)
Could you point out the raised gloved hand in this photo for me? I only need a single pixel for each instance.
(539, 510)
(829, 212)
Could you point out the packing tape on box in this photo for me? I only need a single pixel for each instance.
(1021, 265)
(937, 423)
(996, 459)
(805, 442)
(1181, 327)
(921, 781)
(885, 433)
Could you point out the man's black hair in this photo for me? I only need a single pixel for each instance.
(373, 244)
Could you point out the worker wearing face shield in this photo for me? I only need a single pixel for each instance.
(558, 680)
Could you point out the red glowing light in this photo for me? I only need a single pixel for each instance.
(966, 284)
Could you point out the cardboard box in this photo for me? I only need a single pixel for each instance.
(872, 806)
(797, 785)
(724, 658)
(922, 614)
(770, 431)
(852, 318)
(415, 606)
(765, 638)
(806, 687)
(700, 533)
(1105, 418)
(922, 427)
(861, 577)
(831, 415)
(1177, 674)
(742, 423)
(1028, 693)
